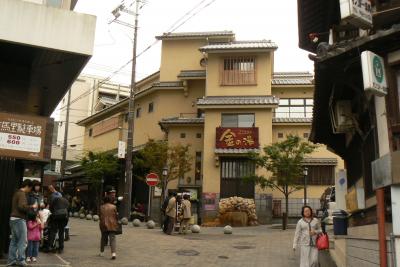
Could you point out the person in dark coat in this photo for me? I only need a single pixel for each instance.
(58, 219)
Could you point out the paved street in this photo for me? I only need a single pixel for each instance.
(141, 247)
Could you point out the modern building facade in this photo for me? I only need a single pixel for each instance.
(43, 47)
(222, 97)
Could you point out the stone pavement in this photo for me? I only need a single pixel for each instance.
(141, 247)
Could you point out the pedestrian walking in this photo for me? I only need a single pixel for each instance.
(35, 226)
(19, 210)
(186, 208)
(307, 230)
(164, 211)
(170, 212)
(58, 220)
(108, 226)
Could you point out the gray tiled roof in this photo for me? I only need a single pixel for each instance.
(236, 150)
(192, 73)
(180, 120)
(240, 45)
(238, 100)
(292, 120)
(292, 78)
(167, 84)
(320, 161)
(177, 35)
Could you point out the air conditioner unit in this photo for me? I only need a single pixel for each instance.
(341, 116)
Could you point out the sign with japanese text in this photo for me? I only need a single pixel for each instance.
(237, 137)
(357, 12)
(209, 201)
(23, 136)
(374, 76)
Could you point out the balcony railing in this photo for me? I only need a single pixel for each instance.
(293, 114)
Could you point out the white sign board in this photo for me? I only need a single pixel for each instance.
(373, 70)
(121, 149)
(20, 142)
(341, 189)
(57, 168)
(357, 12)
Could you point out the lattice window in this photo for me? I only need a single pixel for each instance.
(238, 71)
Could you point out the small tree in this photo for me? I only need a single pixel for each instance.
(156, 155)
(97, 167)
(284, 160)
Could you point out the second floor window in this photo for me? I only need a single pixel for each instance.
(138, 112)
(151, 107)
(294, 108)
(238, 120)
(238, 71)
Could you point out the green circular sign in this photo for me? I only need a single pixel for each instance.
(378, 69)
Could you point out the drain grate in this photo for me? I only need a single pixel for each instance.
(223, 257)
(189, 252)
(244, 247)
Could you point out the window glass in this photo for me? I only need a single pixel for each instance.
(309, 112)
(309, 102)
(151, 107)
(297, 102)
(283, 101)
(238, 120)
(297, 112)
(229, 120)
(282, 112)
(138, 112)
(246, 120)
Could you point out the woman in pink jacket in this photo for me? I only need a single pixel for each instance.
(35, 227)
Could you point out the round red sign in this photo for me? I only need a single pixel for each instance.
(152, 179)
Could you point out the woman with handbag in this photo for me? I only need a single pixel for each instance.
(108, 226)
(305, 238)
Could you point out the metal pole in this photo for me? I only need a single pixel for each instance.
(149, 203)
(65, 144)
(305, 189)
(131, 111)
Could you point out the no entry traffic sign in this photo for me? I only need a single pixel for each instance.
(152, 179)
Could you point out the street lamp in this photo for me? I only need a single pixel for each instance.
(165, 174)
(305, 173)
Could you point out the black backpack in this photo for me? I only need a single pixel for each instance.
(60, 208)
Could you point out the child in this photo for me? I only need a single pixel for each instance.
(35, 227)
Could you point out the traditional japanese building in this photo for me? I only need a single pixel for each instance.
(355, 46)
(222, 97)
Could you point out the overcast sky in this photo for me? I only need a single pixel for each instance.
(250, 20)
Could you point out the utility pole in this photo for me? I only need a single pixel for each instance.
(131, 111)
(65, 144)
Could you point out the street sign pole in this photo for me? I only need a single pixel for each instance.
(151, 180)
(149, 205)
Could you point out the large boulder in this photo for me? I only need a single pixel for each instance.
(195, 229)
(150, 224)
(136, 223)
(228, 230)
(234, 218)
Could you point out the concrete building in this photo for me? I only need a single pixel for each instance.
(43, 47)
(355, 48)
(89, 95)
(211, 86)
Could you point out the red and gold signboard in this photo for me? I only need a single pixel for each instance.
(24, 136)
(237, 137)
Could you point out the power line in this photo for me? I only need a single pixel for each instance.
(170, 30)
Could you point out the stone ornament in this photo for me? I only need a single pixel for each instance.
(88, 217)
(195, 229)
(150, 224)
(124, 221)
(228, 230)
(136, 223)
(96, 218)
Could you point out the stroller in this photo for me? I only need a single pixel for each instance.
(45, 245)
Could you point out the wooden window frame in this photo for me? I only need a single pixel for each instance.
(238, 76)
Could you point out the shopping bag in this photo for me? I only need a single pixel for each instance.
(323, 241)
(119, 229)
